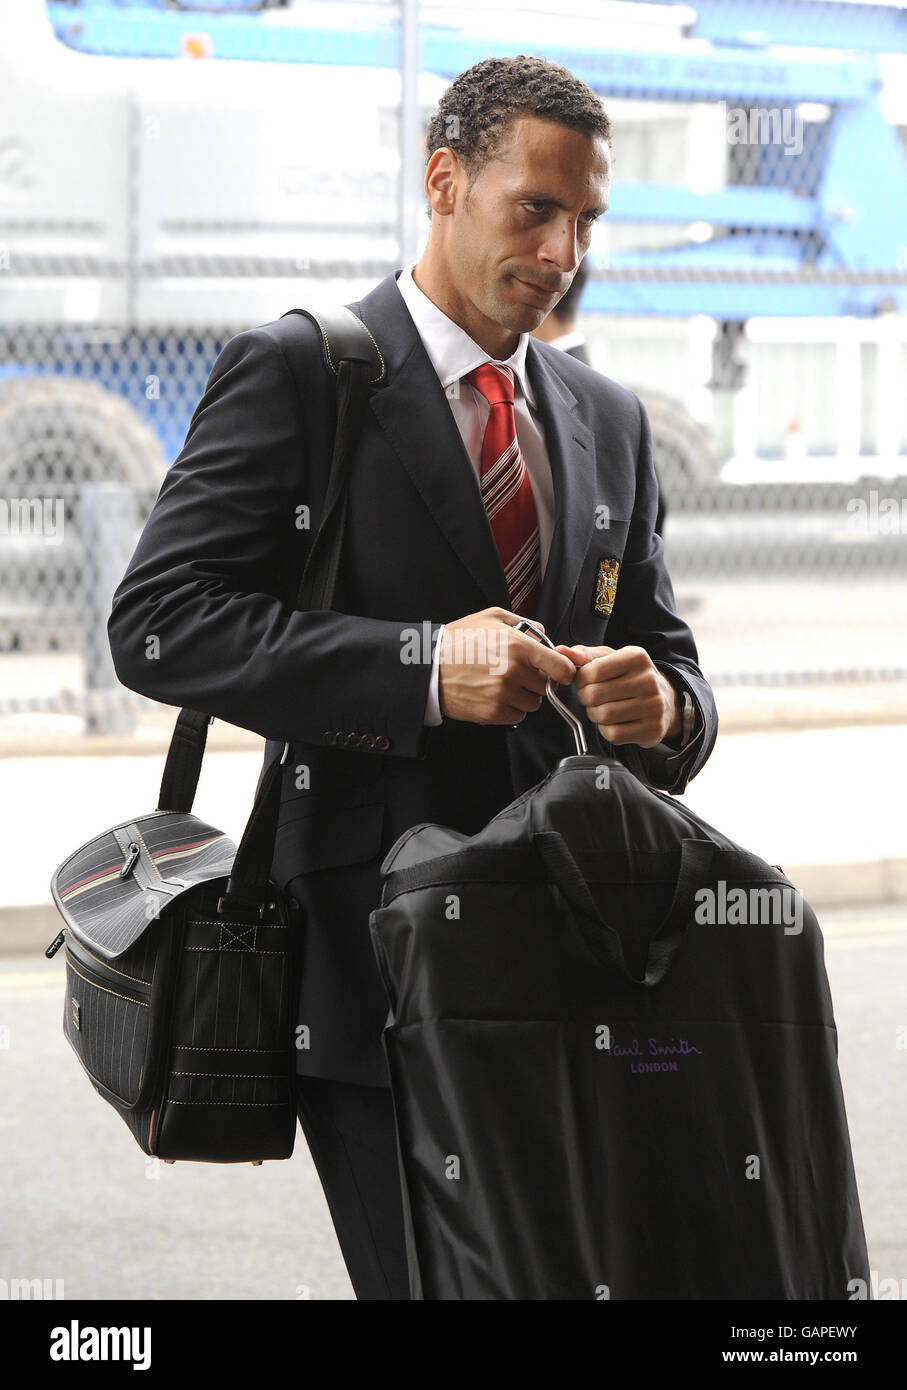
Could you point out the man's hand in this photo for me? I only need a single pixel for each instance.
(489, 674)
(625, 695)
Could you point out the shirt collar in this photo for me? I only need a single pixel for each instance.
(451, 350)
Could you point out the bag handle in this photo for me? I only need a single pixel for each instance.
(184, 761)
(352, 356)
(602, 940)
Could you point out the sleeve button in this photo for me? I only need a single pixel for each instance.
(382, 742)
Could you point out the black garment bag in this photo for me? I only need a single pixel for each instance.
(613, 1056)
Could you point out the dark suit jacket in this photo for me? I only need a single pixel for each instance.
(581, 353)
(216, 571)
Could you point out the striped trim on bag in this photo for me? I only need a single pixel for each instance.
(108, 873)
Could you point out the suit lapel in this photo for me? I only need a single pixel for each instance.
(418, 423)
(571, 452)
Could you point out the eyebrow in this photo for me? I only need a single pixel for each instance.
(532, 196)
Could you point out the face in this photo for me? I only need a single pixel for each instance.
(508, 247)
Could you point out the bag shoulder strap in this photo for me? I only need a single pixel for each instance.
(352, 357)
(345, 338)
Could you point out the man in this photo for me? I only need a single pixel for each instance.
(467, 473)
(561, 331)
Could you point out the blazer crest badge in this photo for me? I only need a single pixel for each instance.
(606, 585)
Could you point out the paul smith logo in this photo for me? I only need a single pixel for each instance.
(656, 1055)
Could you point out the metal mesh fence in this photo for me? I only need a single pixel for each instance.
(167, 183)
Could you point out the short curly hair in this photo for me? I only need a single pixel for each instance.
(478, 108)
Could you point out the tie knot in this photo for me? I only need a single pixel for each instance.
(494, 383)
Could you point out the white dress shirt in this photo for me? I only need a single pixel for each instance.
(452, 354)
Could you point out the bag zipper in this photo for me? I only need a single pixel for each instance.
(55, 945)
(107, 978)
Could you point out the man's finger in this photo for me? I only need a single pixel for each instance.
(581, 655)
(549, 661)
(525, 698)
(617, 661)
(598, 687)
(639, 732)
(618, 712)
(512, 619)
(577, 655)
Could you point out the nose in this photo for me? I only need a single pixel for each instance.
(561, 247)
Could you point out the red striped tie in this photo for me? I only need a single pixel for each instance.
(507, 491)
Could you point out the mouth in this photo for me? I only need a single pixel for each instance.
(537, 289)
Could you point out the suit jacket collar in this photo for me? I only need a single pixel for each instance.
(416, 419)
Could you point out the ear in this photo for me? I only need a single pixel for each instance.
(442, 176)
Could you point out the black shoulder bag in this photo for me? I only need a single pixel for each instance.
(182, 957)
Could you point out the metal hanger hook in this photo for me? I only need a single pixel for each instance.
(524, 625)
